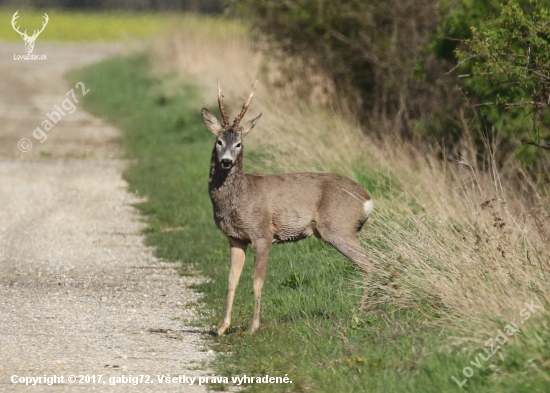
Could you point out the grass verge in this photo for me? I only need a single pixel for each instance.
(313, 328)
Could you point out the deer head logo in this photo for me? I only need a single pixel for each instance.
(29, 41)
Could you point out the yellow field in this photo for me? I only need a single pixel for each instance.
(99, 26)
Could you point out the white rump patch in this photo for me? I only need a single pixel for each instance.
(369, 207)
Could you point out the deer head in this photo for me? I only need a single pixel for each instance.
(29, 41)
(229, 137)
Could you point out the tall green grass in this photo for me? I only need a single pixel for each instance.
(313, 327)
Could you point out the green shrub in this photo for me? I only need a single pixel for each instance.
(508, 64)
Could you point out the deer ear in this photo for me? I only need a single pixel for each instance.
(249, 125)
(211, 121)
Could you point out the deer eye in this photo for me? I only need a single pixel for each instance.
(238, 145)
(220, 143)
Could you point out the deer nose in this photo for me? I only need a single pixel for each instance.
(226, 163)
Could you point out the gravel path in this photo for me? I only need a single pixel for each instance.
(80, 294)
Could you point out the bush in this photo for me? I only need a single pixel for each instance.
(507, 74)
(370, 50)
(389, 61)
(502, 52)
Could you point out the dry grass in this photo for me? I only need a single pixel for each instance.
(449, 240)
(461, 240)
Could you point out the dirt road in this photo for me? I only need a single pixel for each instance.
(80, 294)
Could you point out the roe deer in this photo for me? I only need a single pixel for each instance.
(267, 209)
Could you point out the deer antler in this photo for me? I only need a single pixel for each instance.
(245, 107)
(225, 116)
(13, 19)
(36, 34)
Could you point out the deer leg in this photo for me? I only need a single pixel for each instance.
(238, 255)
(351, 248)
(261, 260)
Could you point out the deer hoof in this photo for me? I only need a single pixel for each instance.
(222, 329)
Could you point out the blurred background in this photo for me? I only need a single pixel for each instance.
(207, 6)
(390, 65)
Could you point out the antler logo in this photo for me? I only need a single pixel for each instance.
(29, 41)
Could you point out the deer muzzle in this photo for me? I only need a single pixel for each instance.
(226, 163)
